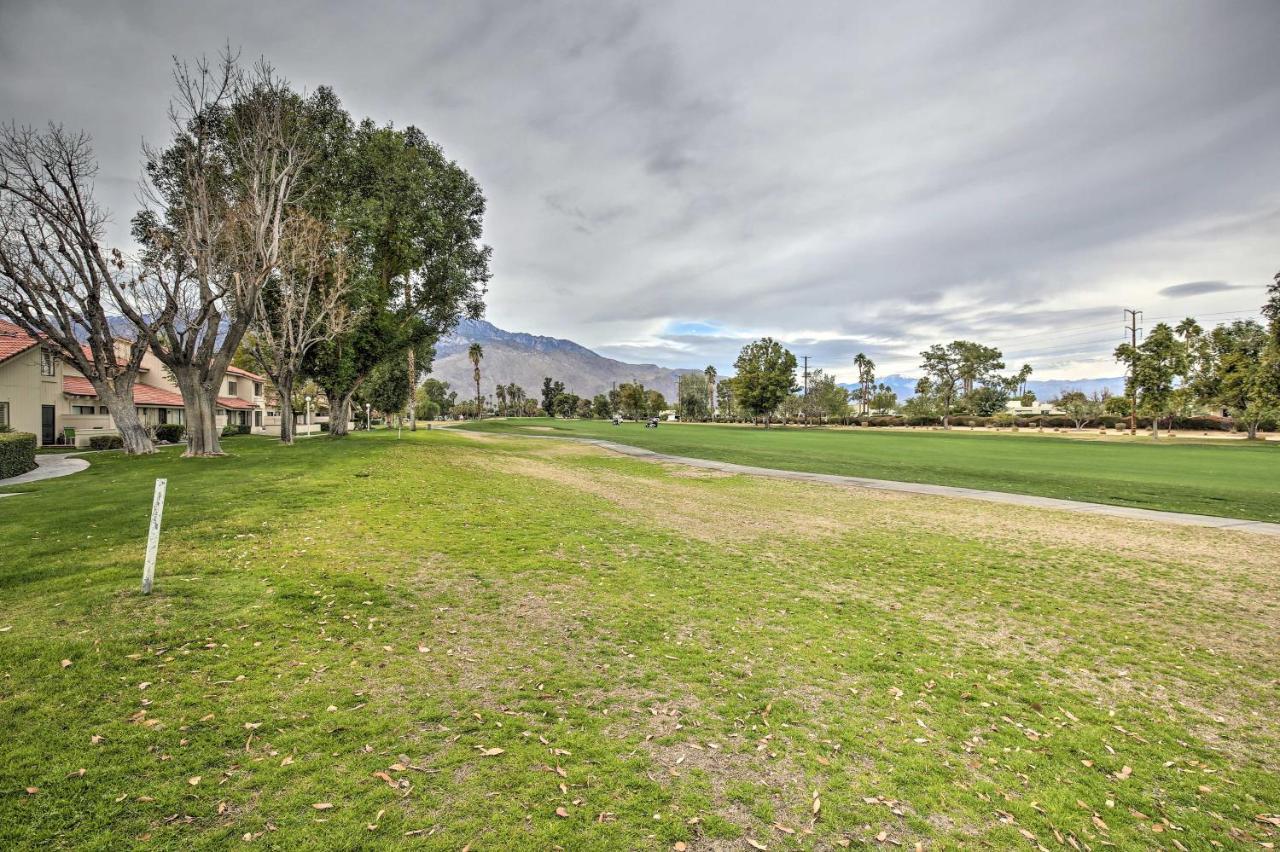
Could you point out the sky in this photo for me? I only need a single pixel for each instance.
(669, 180)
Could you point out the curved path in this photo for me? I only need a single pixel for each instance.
(1182, 518)
(48, 466)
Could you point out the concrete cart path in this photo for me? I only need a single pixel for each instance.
(1182, 518)
(48, 466)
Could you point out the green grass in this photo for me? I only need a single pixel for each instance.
(665, 655)
(1204, 477)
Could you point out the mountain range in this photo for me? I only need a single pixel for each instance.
(526, 358)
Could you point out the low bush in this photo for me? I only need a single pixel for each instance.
(17, 453)
(233, 429)
(106, 442)
(170, 433)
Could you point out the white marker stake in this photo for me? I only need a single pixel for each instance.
(153, 537)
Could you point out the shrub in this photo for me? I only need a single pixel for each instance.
(233, 429)
(170, 433)
(324, 427)
(17, 453)
(106, 442)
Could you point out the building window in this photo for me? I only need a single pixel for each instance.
(102, 409)
(4, 414)
(257, 388)
(231, 387)
(83, 409)
(46, 362)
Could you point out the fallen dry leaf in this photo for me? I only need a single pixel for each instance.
(562, 813)
(756, 844)
(322, 806)
(66, 663)
(193, 780)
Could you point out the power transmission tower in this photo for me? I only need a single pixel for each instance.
(1131, 319)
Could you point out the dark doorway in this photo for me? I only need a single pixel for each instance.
(47, 431)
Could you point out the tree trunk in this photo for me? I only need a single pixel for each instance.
(413, 390)
(201, 404)
(284, 387)
(1252, 429)
(339, 414)
(137, 441)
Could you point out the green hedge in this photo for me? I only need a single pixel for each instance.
(170, 433)
(17, 453)
(106, 442)
(233, 429)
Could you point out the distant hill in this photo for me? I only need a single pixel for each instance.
(526, 358)
(1045, 389)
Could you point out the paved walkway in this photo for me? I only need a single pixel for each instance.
(48, 466)
(1260, 527)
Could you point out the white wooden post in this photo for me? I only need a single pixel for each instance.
(153, 536)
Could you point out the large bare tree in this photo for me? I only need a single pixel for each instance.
(56, 280)
(218, 199)
(304, 304)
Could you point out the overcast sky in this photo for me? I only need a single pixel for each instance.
(667, 180)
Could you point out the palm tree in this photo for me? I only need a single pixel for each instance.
(710, 373)
(1188, 328)
(866, 378)
(475, 353)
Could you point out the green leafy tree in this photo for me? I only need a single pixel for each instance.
(600, 407)
(692, 401)
(986, 400)
(434, 395)
(942, 365)
(826, 398)
(565, 405)
(977, 364)
(925, 402)
(1239, 374)
(414, 220)
(550, 390)
(1080, 407)
(725, 403)
(1157, 362)
(632, 400)
(387, 389)
(655, 402)
(766, 374)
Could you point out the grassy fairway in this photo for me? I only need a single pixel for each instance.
(508, 643)
(1225, 479)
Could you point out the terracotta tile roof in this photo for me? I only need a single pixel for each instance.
(236, 371)
(142, 394)
(235, 402)
(13, 340)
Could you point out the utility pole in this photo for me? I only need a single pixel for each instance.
(1131, 319)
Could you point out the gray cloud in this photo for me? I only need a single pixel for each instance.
(1197, 288)
(845, 177)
